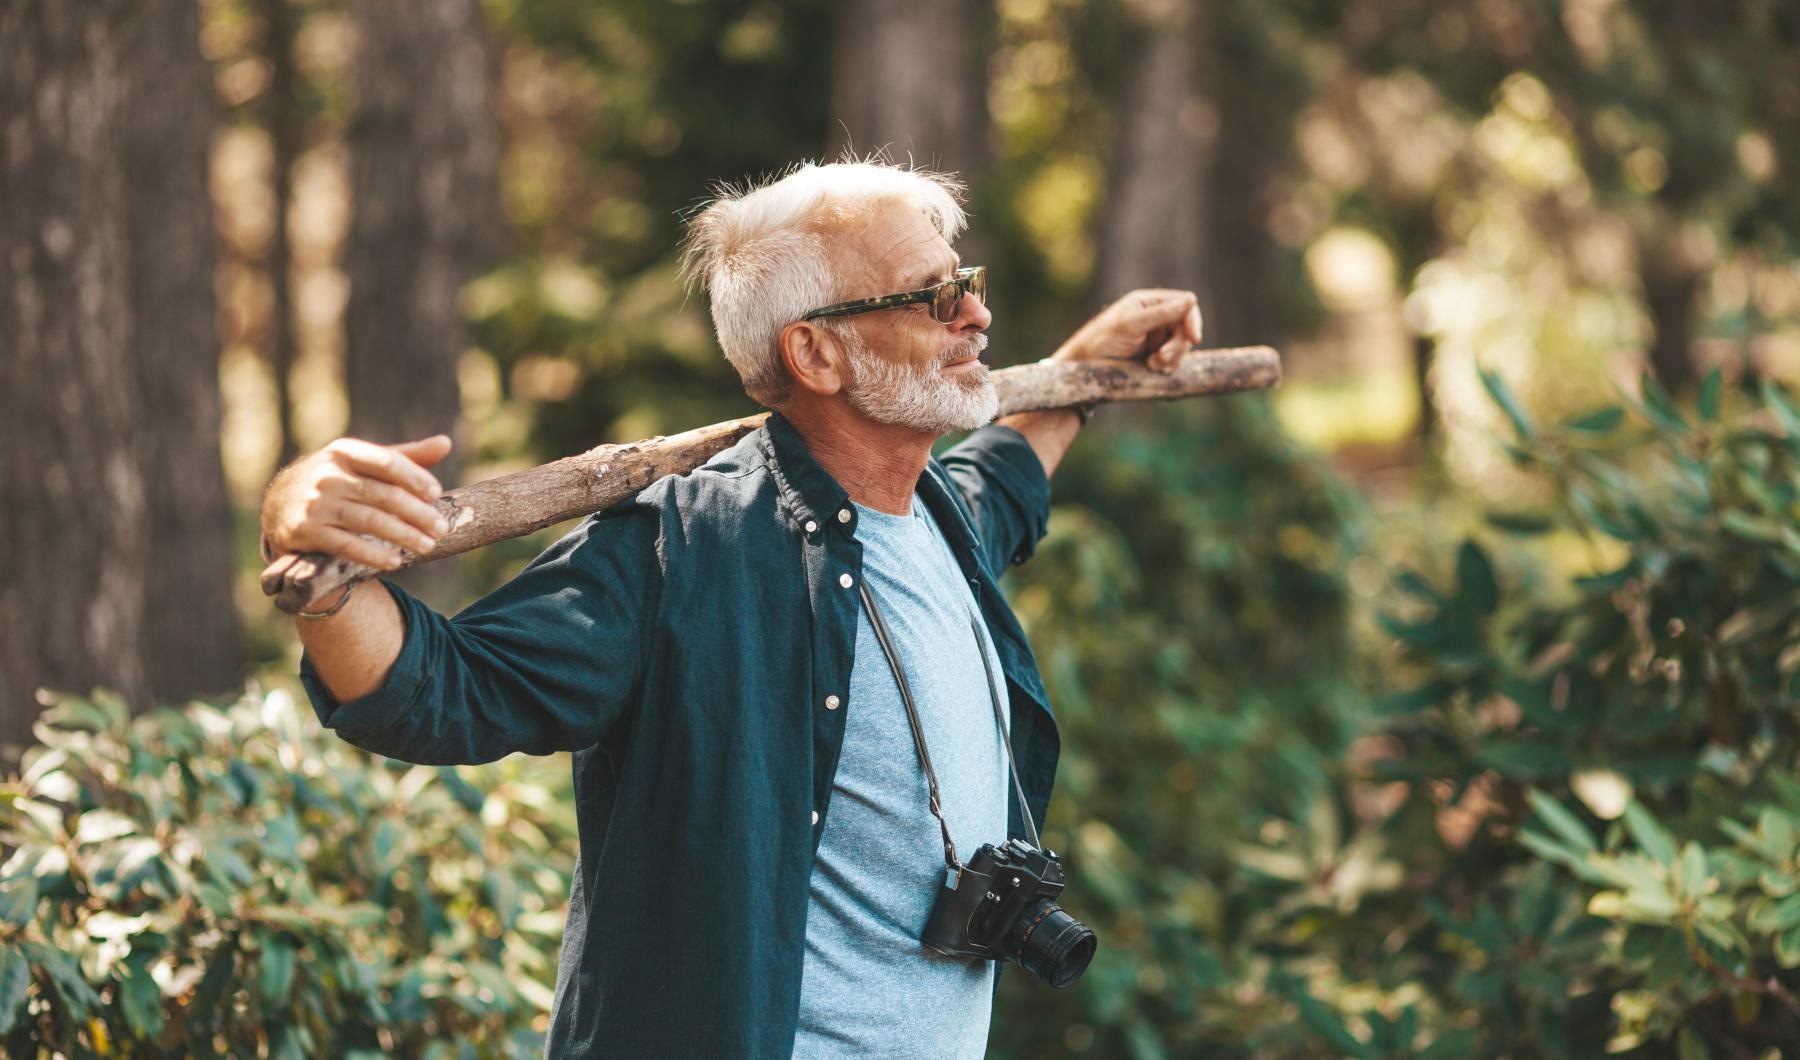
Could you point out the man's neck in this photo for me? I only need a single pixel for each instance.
(877, 464)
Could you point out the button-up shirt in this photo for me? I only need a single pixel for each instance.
(693, 647)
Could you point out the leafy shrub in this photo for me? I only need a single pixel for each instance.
(1641, 726)
(1561, 819)
(234, 880)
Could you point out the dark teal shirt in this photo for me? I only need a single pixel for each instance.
(683, 645)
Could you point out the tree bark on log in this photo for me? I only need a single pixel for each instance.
(513, 505)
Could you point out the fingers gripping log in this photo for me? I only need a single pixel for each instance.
(517, 504)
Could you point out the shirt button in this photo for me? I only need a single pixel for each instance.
(831, 702)
(843, 515)
(815, 817)
(811, 526)
(846, 581)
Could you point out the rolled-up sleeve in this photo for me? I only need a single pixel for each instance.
(1004, 485)
(548, 661)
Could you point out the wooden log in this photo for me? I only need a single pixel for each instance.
(516, 504)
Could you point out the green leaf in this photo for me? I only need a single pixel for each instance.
(1599, 421)
(1660, 407)
(18, 900)
(1521, 524)
(1777, 915)
(1412, 701)
(1503, 397)
(1422, 635)
(15, 980)
(1649, 834)
(1709, 396)
(66, 979)
(1524, 758)
(1475, 583)
(141, 998)
(1692, 870)
(1778, 403)
(1756, 528)
(1326, 1024)
(1561, 820)
(212, 986)
(275, 974)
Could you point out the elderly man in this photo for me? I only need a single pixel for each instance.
(759, 850)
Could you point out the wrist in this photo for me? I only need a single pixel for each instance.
(319, 614)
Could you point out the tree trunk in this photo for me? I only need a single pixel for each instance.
(911, 78)
(1424, 353)
(1151, 233)
(1669, 293)
(281, 115)
(1242, 295)
(175, 345)
(424, 146)
(73, 547)
(424, 164)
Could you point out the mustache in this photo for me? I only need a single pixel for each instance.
(963, 350)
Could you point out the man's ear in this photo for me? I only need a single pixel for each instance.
(813, 357)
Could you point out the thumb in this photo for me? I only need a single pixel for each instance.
(426, 451)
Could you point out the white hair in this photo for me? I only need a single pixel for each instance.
(760, 250)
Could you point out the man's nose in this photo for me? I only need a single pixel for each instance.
(971, 314)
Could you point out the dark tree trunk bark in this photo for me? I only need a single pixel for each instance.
(1241, 299)
(424, 162)
(424, 177)
(1669, 293)
(281, 114)
(911, 78)
(1151, 233)
(73, 551)
(1424, 351)
(175, 346)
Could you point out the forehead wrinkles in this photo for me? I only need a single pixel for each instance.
(885, 247)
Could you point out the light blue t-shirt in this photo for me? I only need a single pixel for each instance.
(870, 988)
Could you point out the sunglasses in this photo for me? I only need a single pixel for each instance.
(943, 298)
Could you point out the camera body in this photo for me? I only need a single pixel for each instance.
(1001, 905)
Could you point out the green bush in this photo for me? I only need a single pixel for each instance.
(233, 880)
(1626, 744)
(1554, 817)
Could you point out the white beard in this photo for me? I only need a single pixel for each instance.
(923, 399)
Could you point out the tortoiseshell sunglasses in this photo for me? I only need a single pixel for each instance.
(944, 298)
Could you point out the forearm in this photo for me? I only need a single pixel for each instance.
(353, 650)
(1050, 433)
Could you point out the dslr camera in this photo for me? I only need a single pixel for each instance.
(1001, 906)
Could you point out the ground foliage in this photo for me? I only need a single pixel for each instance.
(234, 880)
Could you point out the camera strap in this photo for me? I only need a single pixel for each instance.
(918, 732)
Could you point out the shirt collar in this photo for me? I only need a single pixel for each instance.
(811, 494)
(807, 489)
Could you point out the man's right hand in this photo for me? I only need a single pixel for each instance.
(328, 501)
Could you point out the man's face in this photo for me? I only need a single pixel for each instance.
(906, 368)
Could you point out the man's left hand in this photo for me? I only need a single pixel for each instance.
(1154, 325)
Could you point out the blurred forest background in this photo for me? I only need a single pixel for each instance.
(1439, 703)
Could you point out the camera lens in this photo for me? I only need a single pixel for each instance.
(1051, 944)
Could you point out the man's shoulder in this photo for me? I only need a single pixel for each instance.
(734, 488)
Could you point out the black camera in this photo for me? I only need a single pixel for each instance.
(1001, 905)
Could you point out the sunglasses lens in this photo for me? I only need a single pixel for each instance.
(944, 302)
(978, 286)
